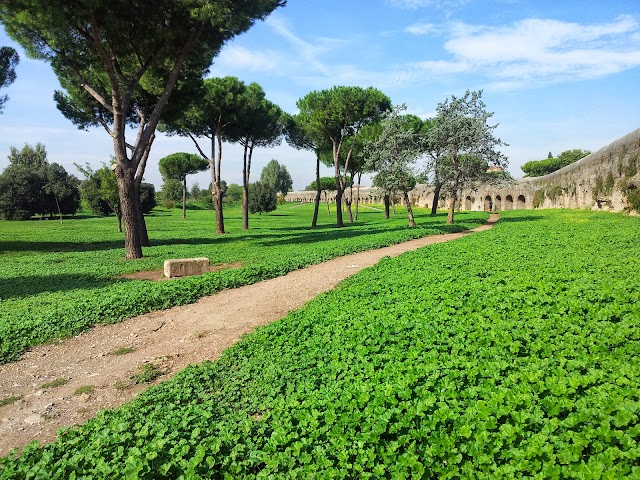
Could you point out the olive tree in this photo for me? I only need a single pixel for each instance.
(461, 144)
(393, 154)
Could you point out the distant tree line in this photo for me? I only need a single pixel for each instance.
(30, 186)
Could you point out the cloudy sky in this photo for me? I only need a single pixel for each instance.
(557, 75)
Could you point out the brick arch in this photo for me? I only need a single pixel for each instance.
(498, 204)
(508, 202)
(522, 202)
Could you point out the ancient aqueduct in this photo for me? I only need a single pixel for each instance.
(608, 180)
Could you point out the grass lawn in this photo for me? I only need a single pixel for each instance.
(512, 353)
(57, 280)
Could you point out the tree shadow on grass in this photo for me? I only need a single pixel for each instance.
(526, 218)
(24, 286)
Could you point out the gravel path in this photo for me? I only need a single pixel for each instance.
(96, 367)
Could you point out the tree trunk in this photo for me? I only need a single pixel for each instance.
(393, 204)
(314, 222)
(347, 202)
(412, 222)
(386, 206)
(454, 189)
(129, 198)
(246, 166)
(214, 167)
(184, 197)
(358, 195)
(245, 206)
(339, 193)
(59, 211)
(119, 217)
(141, 222)
(436, 199)
(216, 195)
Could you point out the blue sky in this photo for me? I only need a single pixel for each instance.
(557, 75)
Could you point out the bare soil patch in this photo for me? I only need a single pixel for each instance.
(110, 364)
(158, 275)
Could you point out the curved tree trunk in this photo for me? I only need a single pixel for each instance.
(412, 222)
(436, 199)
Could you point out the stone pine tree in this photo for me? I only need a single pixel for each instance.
(330, 117)
(299, 138)
(119, 62)
(459, 141)
(258, 124)
(394, 154)
(8, 60)
(178, 166)
(209, 111)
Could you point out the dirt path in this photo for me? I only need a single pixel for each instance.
(98, 378)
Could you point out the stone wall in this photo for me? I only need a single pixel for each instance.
(608, 179)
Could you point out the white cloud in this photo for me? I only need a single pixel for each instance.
(415, 4)
(240, 58)
(421, 28)
(539, 51)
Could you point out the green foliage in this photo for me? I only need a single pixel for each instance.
(262, 198)
(9, 400)
(538, 198)
(31, 185)
(554, 192)
(511, 354)
(277, 177)
(326, 184)
(147, 197)
(8, 60)
(631, 168)
(234, 193)
(179, 165)
(394, 153)
(147, 373)
(84, 390)
(172, 190)
(462, 145)
(58, 382)
(56, 281)
(100, 190)
(538, 168)
(123, 351)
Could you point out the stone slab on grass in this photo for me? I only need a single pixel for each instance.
(184, 267)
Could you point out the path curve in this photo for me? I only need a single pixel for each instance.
(171, 339)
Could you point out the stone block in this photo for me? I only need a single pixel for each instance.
(183, 267)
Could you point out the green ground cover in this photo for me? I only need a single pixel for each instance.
(57, 280)
(512, 353)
